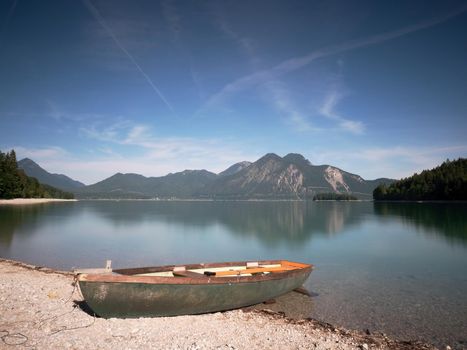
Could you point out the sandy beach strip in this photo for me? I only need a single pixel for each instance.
(27, 201)
(42, 309)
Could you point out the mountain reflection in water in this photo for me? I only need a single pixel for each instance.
(395, 267)
(271, 222)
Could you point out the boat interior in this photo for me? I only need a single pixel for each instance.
(247, 269)
(252, 268)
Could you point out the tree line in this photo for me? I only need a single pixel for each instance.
(331, 196)
(14, 183)
(445, 182)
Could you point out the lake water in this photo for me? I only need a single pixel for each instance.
(398, 268)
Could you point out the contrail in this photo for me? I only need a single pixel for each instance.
(295, 63)
(101, 21)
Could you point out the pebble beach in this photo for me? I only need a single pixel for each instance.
(42, 308)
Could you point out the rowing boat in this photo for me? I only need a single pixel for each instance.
(189, 289)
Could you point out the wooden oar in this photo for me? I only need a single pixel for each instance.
(255, 270)
(186, 273)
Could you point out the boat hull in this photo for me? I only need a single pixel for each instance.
(136, 299)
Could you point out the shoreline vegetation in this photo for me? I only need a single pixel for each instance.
(42, 308)
(28, 201)
(14, 183)
(447, 182)
(31, 201)
(334, 197)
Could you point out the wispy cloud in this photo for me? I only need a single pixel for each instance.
(139, 135)
(394, 162)
(115, 132)
(153, 155)
(274, 91)
(43, 153)
(244, 43)
(109, 31)
(60, 114)
(279, 97)
(295, 63)
(417, 155)
(328, 109)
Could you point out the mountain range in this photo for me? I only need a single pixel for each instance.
(59, 181)
(270, 177)
(292, 176)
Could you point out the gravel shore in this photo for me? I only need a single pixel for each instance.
(41, 309)
(23, 201)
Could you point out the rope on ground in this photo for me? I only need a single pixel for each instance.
(18, 338)
(13, 338)
(75, 283)
(42, 320)
(64, 328)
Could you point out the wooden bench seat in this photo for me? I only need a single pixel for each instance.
(186, 273)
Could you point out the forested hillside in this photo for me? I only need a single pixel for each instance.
(14, 183)
(446, 182)
(60, 181)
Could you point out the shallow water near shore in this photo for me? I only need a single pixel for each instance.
(399, 268)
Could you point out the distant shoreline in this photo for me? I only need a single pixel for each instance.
(219, 200)
(27, 201)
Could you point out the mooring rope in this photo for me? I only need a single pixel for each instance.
(17, 338)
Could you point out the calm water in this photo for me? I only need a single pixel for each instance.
(397, 268)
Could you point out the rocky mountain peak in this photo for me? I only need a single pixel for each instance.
(28, 161)
(271, 176)
(297, 159)
(269, 157)
(235, 168)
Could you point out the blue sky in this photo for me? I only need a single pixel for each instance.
(91, 88)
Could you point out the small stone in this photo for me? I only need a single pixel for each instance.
(448, 347)
(52, 294)
(364, 346)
